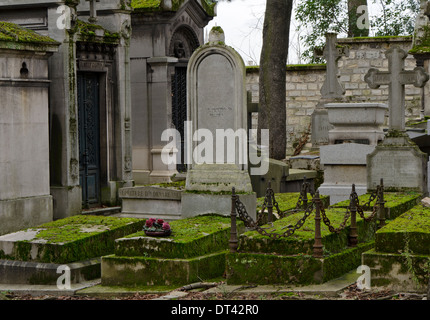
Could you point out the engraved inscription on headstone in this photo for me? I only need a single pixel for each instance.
(149, 193)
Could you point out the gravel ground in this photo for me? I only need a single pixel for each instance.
(350, 293)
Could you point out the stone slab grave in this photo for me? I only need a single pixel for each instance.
(397, 160)
(32, 256)
(290, 260)
(396, 203)
(194, 252)
(331, 91)
(400, 259)
(265, 261)
(216, 101)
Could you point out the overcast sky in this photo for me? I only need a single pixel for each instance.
(242, 22)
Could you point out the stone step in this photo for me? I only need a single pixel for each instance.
(37, 273)
(102, 211)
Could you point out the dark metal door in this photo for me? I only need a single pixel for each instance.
(89, 138)
(179, 108)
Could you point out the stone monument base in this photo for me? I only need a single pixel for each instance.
(170, 204)
(401, 164)
(338, 193)
(218, 178)
(194, 204)
(344, 165)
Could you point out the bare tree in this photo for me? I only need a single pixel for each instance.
(273, 68)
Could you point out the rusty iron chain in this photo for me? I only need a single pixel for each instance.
(373, 196)
(326, 220)
(250, 223)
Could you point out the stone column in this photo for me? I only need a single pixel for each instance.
(160, 109)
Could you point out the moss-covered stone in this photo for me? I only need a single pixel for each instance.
(148, 6)
(302, 241)
(190, 237)
(14, 33)
(95, 33)
(396, 203)
(138, 271)
(409, 232)
(288, 201)
(261, 269)
(422, 44)
(72, 239)
(406, 272)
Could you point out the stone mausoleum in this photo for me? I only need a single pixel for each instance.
(93, 83)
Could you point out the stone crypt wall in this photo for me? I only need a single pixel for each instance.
(304, 83)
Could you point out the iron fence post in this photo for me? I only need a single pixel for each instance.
(318, 247)
(381, 207)
(303, 193)
(233, 242)
(353, 236)
(269, 194)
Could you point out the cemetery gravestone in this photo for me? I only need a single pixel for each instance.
(331, 91)
(356, 132)
(217, 103)
(397, 160)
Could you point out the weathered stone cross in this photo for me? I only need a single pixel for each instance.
(396, 78)
(93, 11)
(332, 53)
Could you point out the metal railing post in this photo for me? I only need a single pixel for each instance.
(353, 236)
(233, 242)
(269, 194)
(381, 207)
(318, 247)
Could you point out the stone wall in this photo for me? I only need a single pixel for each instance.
(304, 83)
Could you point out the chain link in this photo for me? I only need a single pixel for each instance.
(373, 196)
(250, 223)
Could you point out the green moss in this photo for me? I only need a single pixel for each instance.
(190, 229)
(301, 242)
(138, 271)
(190, 237)
(422, 45)
(87, 32)
(245, 268)
(293, 67)
(396, 203)
(209, 7)
(11, 32)
(146, 5)
(265, 269)
(411, 228)
(178, 185)
(381, 38)
(73, 239)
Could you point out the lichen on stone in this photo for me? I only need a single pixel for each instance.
(12, 32)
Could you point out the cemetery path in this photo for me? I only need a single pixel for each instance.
(239, 293)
